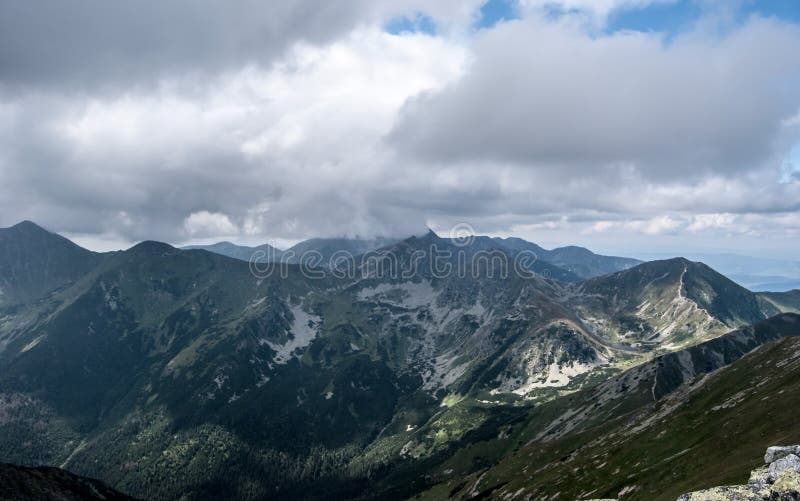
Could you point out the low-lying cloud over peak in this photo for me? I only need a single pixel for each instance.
(195, 121)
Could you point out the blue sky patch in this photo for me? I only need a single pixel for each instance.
(791, 166)
(418, 23)
(496, 11)
(673, 18)
(670, 18)
(788, 10)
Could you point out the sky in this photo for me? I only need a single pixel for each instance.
(627, 126)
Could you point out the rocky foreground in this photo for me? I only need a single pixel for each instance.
(777, 480)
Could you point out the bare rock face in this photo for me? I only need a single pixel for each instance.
(790, 462)
(787, 484)
(778, 480)
(775, 453)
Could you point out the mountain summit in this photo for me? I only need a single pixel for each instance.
(665, 303)
(34, 262)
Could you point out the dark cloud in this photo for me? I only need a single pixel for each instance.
(97, 43)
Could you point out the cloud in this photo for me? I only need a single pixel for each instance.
(291, 123)
(655, 226)
(205, 224)
(660, 225)
(576, 105)
(704, 222)
(93, 41)
(289, 151)
(95, 45)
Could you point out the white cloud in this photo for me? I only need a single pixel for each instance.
(654, 226)
(303, 139)
(536, 128)
(703, 222)
(624, 103)
(204, 224)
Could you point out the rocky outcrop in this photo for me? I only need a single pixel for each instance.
(777, 480)
(778, 452)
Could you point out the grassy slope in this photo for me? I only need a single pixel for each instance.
(781, 301)
(706, 434)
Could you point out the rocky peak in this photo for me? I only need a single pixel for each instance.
(777, 480)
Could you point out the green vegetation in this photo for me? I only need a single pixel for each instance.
(177, 374)
(712, 431)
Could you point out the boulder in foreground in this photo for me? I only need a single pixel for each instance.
(777, 480)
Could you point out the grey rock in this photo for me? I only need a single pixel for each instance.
(759, 477)
(779, 480)
(727, 493)
(778, 452)
(790, 462)
(786, 487)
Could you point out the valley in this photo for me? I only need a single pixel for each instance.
(171, 373)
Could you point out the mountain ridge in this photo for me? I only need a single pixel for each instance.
(614, 440)
(668, 302)
(575, 259)
(259, 253)
(571, 263)
(157, 351)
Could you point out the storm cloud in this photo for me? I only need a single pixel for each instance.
(95, 44)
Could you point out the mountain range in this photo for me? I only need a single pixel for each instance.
(180, 373)
(564, 263)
